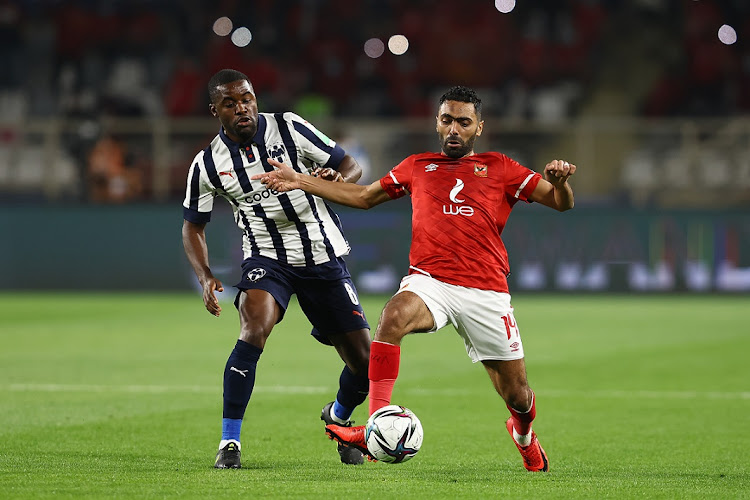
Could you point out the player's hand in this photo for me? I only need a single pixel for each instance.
(557, 172)
(283, 179)
(328, 174)
(210, 287)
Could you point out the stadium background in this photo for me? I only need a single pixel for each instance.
(102, 107)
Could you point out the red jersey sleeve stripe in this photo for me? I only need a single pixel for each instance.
(390, 185)
(533, 176)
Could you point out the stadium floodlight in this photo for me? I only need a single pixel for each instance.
(398, 44)
(374, 48)
(241, 37)
(223, 26)
(505, 6)
(727, 35)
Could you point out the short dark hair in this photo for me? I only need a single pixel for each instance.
(222, 78)
(462, 94)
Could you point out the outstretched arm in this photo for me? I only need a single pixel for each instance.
(284, 179)
(347, 171)
(194, 242)
(554, 190)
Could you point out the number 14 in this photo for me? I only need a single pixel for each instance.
(510, 325)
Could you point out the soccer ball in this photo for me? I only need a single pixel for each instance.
(393, 434)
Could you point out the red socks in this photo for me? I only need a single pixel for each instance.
(384, 362)
(383, 371)
(521, 421)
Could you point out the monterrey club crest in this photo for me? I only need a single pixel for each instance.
(256, 274)
(277, 152)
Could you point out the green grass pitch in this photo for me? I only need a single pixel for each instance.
(119, 396)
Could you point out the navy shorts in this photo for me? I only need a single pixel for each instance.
(325, 293)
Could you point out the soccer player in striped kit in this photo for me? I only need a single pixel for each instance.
(458, 263)
(292, 244)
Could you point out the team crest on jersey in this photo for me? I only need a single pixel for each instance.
(277, 152)
(480, 169)
(256, 274)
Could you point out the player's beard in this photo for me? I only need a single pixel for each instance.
(245, 135)
(247, 132)
(457, 152)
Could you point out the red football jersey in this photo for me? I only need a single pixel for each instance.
(459, 209)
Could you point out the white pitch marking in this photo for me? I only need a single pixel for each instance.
(284, 389)
(601, 394)
(153, 389)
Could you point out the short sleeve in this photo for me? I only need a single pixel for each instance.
(315, 145)
(520, 181)
(199, 194)
(397, 182)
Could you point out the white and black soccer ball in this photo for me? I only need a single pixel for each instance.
(393, 434)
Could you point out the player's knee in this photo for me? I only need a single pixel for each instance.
(254, 336)
(518, 397)
(393, 326)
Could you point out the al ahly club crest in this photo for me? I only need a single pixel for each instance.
(480, 169)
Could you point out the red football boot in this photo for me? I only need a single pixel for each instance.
(534, 457)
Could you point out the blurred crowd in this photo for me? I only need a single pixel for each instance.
(135, 58)
(701, 76)
(89, 59)
(139, 57)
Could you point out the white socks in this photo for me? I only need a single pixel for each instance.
(225, 442)
(522, 439)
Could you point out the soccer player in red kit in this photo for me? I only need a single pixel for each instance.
(458, 264)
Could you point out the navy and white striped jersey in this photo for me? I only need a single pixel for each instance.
(294, 228)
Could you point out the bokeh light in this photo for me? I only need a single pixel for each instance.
(374, 47)
(505, 6)
(241, 37)
(398, 44)
(727, 34)
(223, 26)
